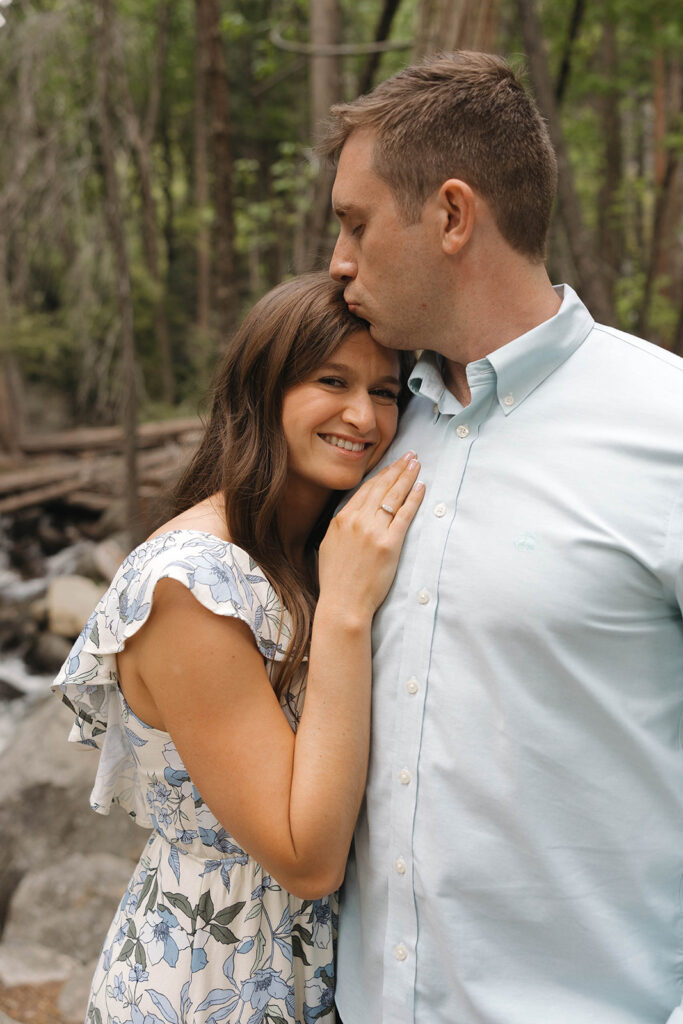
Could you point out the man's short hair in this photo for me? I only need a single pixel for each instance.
(459, 115)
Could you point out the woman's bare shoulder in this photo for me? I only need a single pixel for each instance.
(208, 517)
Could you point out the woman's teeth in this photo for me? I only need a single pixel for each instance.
(339, 442)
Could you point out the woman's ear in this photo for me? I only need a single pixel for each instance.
(458, 208)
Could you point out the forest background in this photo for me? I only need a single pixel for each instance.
(158, 174)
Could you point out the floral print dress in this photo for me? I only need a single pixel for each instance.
(203, 934)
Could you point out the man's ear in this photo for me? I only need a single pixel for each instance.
(458, 208)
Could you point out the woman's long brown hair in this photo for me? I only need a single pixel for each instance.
(243, 455)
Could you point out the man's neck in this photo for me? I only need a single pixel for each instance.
(492, 317)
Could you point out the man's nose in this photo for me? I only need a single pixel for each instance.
(342, 265)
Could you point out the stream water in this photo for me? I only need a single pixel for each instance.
(20, 687)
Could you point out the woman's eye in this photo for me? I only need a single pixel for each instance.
(358, 230)
(386, 393)
(332, 381)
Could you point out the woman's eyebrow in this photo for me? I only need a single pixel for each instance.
(388, 378)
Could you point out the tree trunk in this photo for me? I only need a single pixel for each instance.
(325, 90)
(114, 217)
(11, 405)
(610, 233)
(218, 98)
(389, 9)
(140, 137)
(658, 241)
(455, 25)
(589, 272)
(578, 12)
(201, 175)
(663, 258)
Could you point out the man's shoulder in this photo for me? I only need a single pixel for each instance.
(639, 353)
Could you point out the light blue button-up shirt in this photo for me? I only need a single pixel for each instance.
(519, 855)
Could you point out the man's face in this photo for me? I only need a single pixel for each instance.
(390, 269)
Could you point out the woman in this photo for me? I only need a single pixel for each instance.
(190, 676)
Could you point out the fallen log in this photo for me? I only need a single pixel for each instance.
(27, 499)
(92, 501)
(35, 476)
(149, 435)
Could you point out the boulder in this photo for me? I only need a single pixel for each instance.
(72, 1001)
(11, 626)
(68, 904)
(70, 600)
(63, 867)
(8, 691)
(47, 653)
(45, 784)
(107, 557)
(30, 963)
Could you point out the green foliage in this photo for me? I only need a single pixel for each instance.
(62, 321)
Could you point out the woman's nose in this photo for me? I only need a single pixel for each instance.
(360, 412)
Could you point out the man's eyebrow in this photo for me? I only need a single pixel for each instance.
(342, 209)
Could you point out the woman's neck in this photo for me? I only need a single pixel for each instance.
(298, 512)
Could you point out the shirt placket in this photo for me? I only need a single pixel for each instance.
(400, 953)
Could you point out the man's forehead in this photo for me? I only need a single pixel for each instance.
(356, 182)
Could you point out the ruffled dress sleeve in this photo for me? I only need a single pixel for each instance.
(221, 576)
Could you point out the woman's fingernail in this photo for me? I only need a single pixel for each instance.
(413, 464)
(418, 485)
(410, 455)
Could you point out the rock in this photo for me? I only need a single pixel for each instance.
(51, 537)
(48, 653)
(14, 589)
(38, 610)
(30, 963)
(114, 518)
(68, 904)
(72, 1002)
(45, 784)
(71, 599)
(76, 560)
(4, 1019)
(107, 556)
(8, 691)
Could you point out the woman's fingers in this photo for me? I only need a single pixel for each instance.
(406, 513)
(371, 493)
(399, 489)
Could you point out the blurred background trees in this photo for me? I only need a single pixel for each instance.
(158, 172)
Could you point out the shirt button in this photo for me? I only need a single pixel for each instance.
(404, 776)
(400, 866)
(440, 510)
(463, 430)
(412, 686)
(400, 952)
(509, 400)
(423, 596)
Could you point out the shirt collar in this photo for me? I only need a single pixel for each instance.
(520, 366)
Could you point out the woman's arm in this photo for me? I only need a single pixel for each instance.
(290, 800)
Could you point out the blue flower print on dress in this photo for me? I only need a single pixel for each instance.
(163, 937)
(219, 577)
(202, 935)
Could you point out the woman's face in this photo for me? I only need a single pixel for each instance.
(340, 420)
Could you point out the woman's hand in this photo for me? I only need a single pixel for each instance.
(359, 553)
(290, 800)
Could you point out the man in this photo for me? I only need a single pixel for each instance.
(519, 857)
